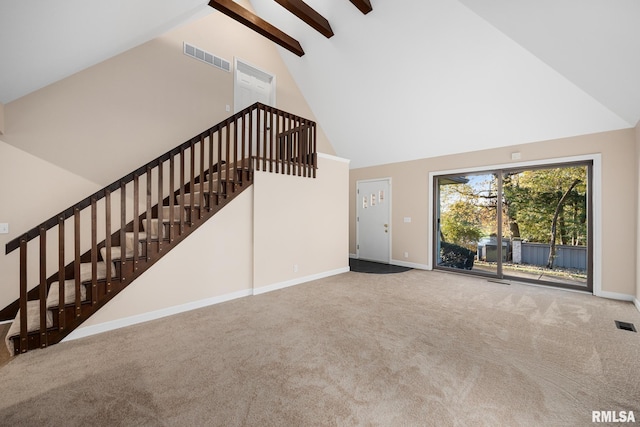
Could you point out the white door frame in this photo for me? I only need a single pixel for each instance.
(240, 65)
(389, 209)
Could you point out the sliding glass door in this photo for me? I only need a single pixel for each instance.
(527, 224)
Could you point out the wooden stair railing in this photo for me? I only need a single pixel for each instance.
(113, 236)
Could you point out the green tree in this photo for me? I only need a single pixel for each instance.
(461, 224)
(551, 206)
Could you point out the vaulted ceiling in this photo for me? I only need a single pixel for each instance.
(410, 79)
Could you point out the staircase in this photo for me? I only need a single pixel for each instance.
(91, 251)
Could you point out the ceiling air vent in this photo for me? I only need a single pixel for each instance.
(207, 57)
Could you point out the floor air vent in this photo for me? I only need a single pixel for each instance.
(625, 326)
(207, 57)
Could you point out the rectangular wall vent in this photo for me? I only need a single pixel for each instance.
(207, 57)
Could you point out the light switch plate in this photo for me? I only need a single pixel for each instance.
(4, 228)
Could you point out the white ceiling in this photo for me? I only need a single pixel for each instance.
(411, 79)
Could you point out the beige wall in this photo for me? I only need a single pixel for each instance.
(30, 192)
(301, 222)
(216, 260)
(411, 195)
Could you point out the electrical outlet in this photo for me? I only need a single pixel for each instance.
(4, 228)
(227, 107)
(406, 254)
(295, 268)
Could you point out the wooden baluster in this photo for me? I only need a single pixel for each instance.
(94, 252)
(285, 142)
(172, 186)
(210, 185)
(278, 147)
(270, 129)
(61, 275)
(160, 204)
(220, 170)
(289, 144)
(182, 209)
(201, 176)
(305, 149)
(123, 227)
(227, 176)
(258, 147)
(235, 155)
(136, 221)
(299, 149)
(76, 262)
(148, 215)
(264, 139)
(314, 151)
(250, 142)
(108, 261)
(295, 141)
(243, 155)
(192, 167)
(43, 287)
(307, 140)
(24, 340)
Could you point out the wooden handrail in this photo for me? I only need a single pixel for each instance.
(116, 185)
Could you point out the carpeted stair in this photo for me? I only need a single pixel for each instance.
(184, 206)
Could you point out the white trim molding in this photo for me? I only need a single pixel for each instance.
(299, 280)
(334, 158)
(616, 296)
(636, 302)
(410, 264)
(153, 315)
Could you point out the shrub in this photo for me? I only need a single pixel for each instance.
(456, 256)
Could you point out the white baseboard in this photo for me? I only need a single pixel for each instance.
(410, 264)
(353, 256)
(153, 315)
(636, 302)
(615, 295)
(298, 280)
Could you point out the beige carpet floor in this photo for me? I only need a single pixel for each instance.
(410, 349)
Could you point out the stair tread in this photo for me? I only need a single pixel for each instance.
(187, 197)
(205, 187)
(33, 319)
(116, 252)
(101, 271)
(153, 228)
(53, 297)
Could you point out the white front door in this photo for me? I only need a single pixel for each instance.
(373, 198)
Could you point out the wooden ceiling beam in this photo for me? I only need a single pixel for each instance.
(364, 5)
(257, 24)
(308, 15)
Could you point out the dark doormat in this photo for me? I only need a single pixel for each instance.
(362, 266)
